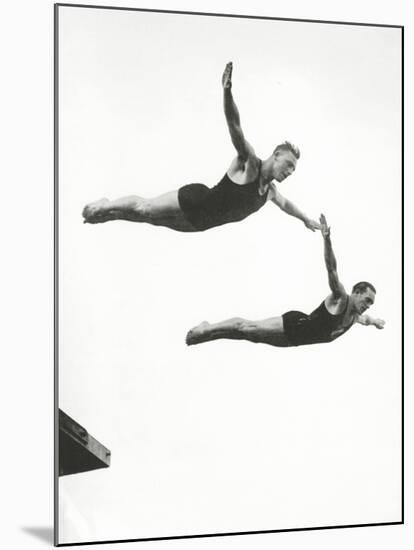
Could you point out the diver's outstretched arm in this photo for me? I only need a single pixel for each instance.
(243, 147)
(366, 320)
(337, 288)
(290, 208)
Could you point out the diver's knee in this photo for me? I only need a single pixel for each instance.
(238, 323)
(250, 331)
(143, 209)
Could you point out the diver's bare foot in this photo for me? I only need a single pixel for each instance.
(197, 334)
(95, 212)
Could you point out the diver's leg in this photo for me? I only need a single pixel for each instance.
(268, 331)
(162, 210)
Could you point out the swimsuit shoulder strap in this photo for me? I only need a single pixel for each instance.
(346, 308)
(343, 312)
(347, 302)
(260, 169)
(266, 187)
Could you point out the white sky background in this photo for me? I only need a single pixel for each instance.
(227, 436)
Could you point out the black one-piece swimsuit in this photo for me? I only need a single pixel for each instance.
(226, 202)
(318, 327)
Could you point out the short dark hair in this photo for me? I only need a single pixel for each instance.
(287, 146)
(362, 287)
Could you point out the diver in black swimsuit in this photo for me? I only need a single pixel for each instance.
(335, 315)
(247, 185)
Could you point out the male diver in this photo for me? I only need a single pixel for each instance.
(332, 318)
(246, 186)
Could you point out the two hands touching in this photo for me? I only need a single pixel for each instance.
(312, 224)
